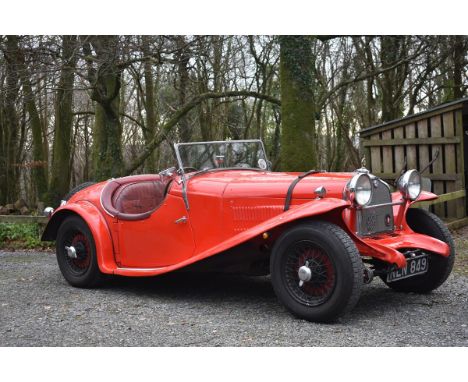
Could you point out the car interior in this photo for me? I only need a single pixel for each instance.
(134, 197)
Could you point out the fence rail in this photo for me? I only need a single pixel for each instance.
(23, 219)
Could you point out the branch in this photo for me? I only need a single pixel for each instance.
(122, 114)
(366, 76)
(178, 115)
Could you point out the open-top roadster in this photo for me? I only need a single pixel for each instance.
(320, 235)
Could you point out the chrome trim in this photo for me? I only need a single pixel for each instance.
(182, 176)
(372, 217)
(350, 188)
(71, 252)
(403, 183)
(140, 269)
(183, 219)
(48, 211)
(367, 207)
(320, 192)
(363, 170)
(304, 273)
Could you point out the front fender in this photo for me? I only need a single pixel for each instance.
(425, 196)
(306, 210)
(313, 208)
(96, 223)
(386, 247)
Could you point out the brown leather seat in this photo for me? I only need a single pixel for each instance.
(133, 198)
(138, 198)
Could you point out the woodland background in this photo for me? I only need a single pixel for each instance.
(79, 108)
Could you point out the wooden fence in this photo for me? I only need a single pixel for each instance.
(21, 219)
(418, 138)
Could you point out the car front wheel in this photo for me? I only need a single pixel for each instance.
(316, 271)
(76, 253)
(440, 267)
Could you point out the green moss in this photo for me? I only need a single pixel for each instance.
(298, 152)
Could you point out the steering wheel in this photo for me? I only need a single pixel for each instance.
(243, 165)
(189, 169)
(168, 171)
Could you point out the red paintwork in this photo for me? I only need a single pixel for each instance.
(228, 208)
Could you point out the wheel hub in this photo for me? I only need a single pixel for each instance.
(304, 273)
(71, 252)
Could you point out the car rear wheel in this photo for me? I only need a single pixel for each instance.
(76, 253)
(440, 267)
(316, 271)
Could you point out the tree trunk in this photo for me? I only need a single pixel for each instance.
(183, 82)
(60, 177)
(10, 125)
(150, 122)
(297, 104)
(392, 50)
(459, 52)
(107, 158)
(40, 159)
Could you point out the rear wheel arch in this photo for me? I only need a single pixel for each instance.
(98, 227)
(52, 227)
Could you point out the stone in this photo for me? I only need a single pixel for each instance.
(19, 204)
(10, 208)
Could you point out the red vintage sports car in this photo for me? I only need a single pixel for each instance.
(319, 235)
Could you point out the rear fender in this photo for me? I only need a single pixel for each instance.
(96, 223)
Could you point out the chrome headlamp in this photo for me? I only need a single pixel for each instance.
(359, 189)
(409, 184)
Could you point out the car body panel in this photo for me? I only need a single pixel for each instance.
(304, 211)
(226, 209)
(157, 241)
(100, 230)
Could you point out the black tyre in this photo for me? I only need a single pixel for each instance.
(74, 190)
(426, 223)
(81, 269)
(334, 266)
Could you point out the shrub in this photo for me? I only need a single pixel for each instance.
(22, 236)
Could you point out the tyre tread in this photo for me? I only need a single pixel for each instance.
(347, 245)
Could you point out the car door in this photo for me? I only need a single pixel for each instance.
(163, 239)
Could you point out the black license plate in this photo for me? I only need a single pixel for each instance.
(414, 266)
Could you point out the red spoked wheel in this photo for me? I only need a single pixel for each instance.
(76, 253)
(310, 273)
(316, 271)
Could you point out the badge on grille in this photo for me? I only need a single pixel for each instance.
(388, 220)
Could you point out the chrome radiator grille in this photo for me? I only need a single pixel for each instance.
(372, 220)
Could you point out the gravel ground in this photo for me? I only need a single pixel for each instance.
(38, 308)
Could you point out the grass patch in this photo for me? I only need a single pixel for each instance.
(22, 236)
